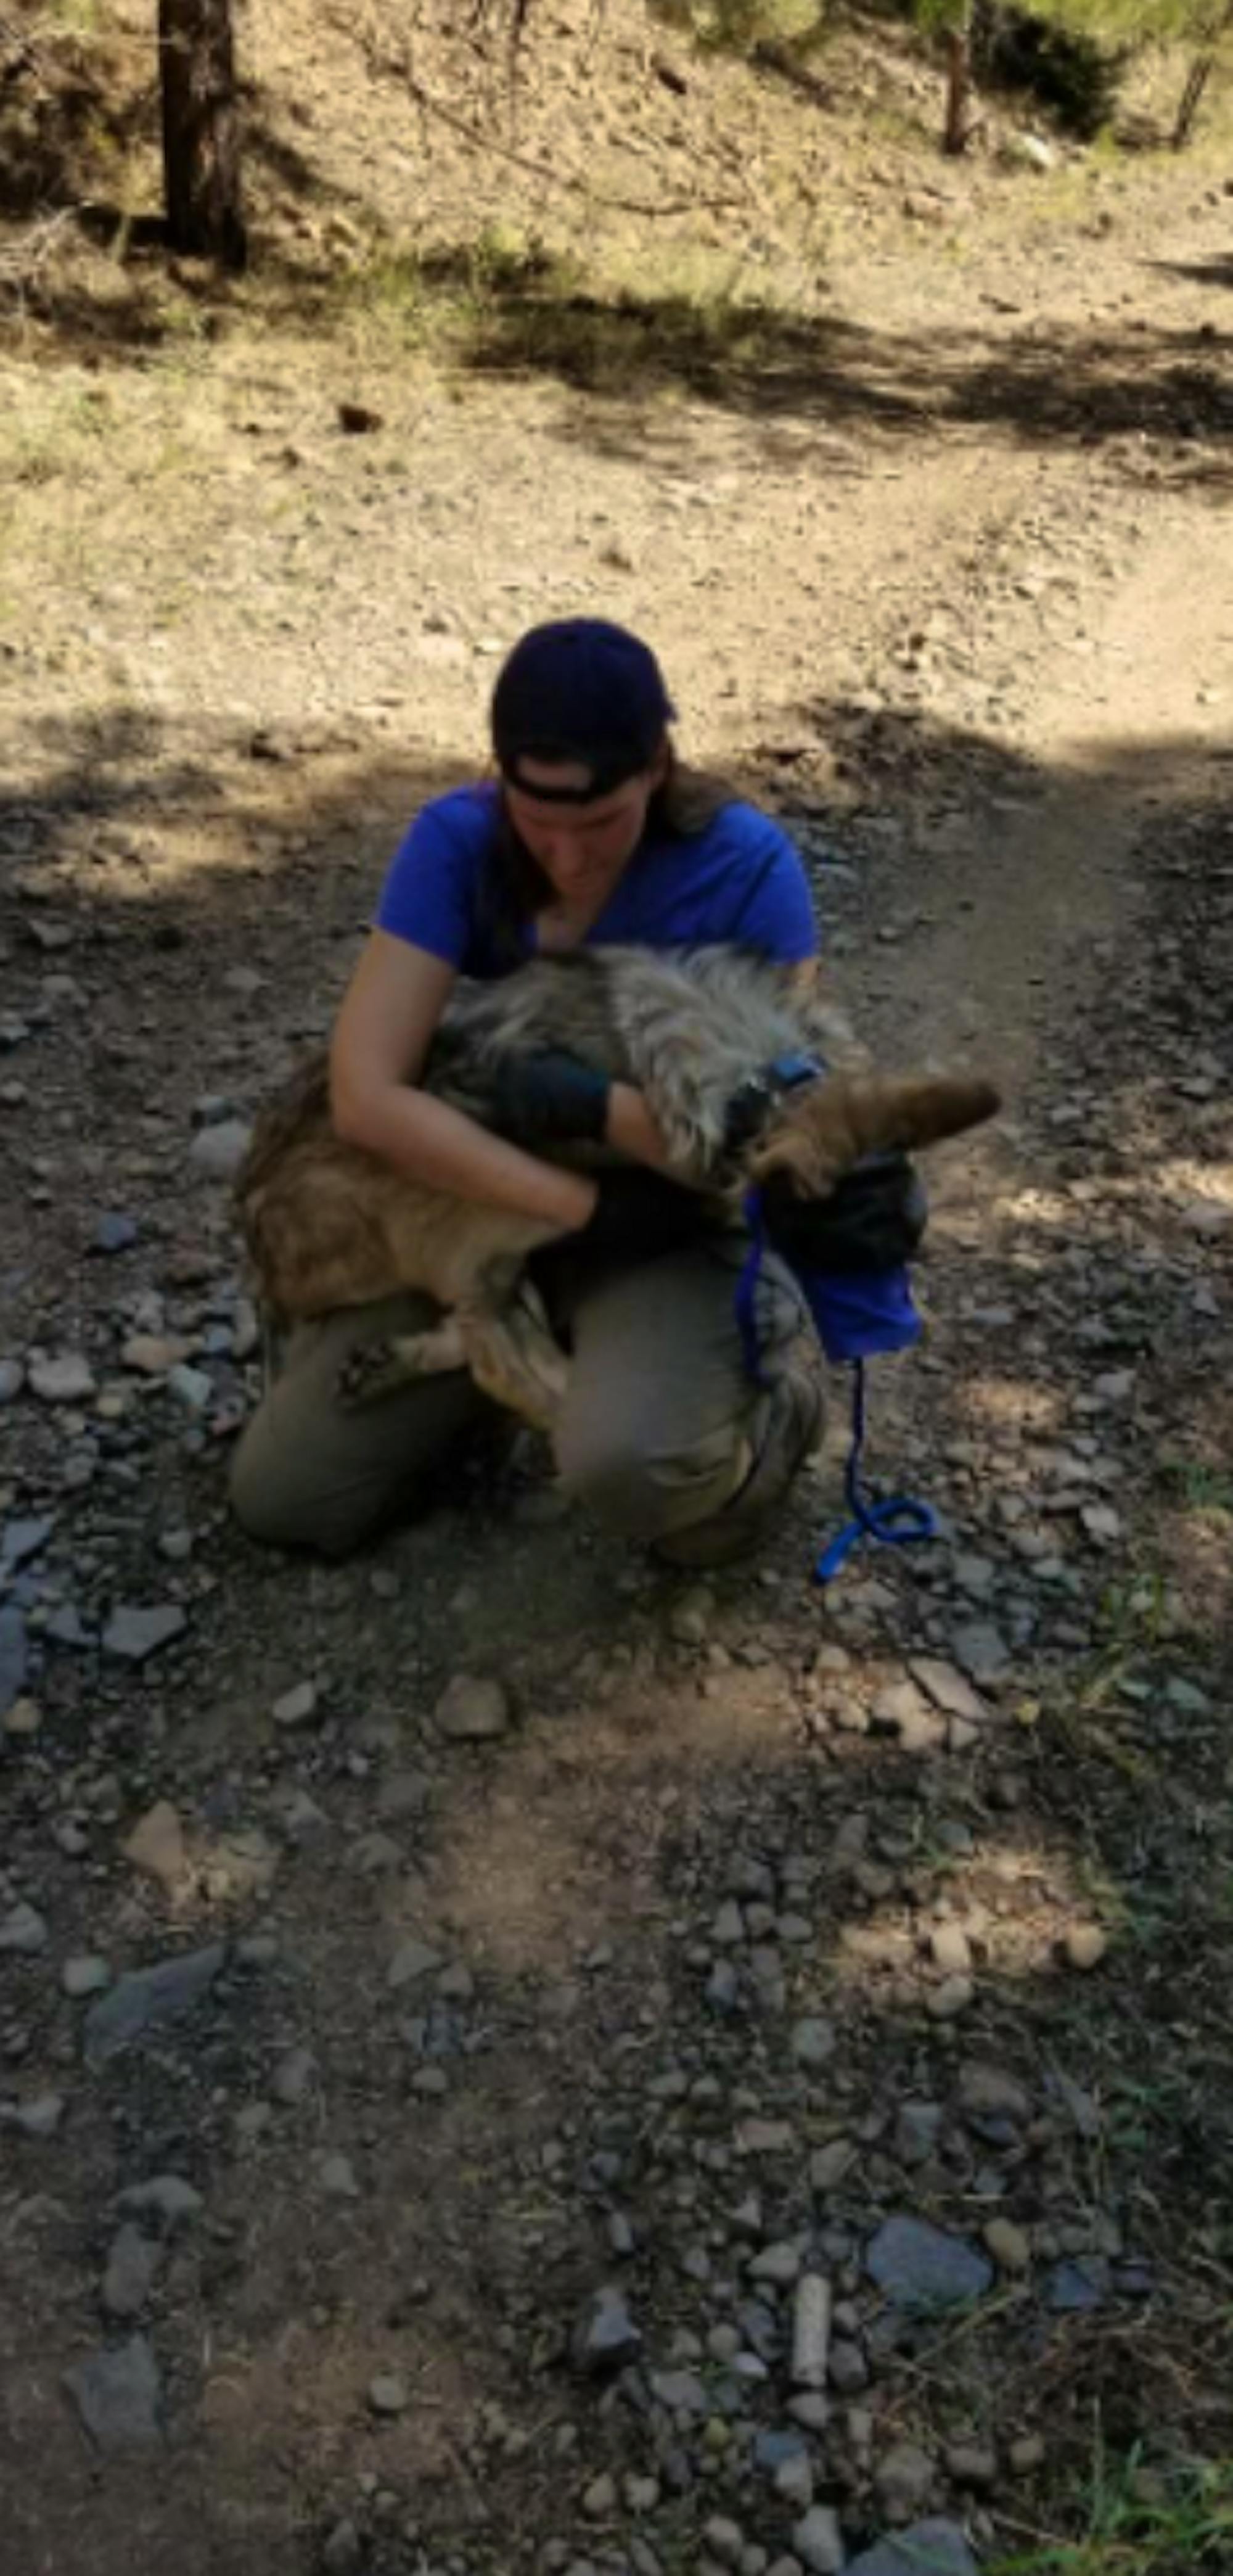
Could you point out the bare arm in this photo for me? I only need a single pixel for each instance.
(379, 1049)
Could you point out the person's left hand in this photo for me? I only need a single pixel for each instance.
(873, 1220)
(548, 1099)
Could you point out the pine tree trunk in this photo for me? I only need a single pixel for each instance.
(1197, 78)
(958, 87)
(201, 142)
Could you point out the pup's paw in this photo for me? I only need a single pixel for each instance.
(373, 1370)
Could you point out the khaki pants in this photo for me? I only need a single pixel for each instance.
(662, 1435)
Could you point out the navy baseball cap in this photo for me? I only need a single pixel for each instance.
(585, 691)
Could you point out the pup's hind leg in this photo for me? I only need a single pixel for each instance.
(514, 1358)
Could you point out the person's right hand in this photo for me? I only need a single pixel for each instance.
(548, 1099)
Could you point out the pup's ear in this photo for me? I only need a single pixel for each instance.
(820, 1133)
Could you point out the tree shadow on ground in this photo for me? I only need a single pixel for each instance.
(1203, 272)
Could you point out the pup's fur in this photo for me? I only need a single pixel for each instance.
(330, 1225)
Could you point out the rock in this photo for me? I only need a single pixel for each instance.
(811, 2331)
(927, 2549)
(950, 1949)
(902, 1710)
(217, 1152)
(1031, 151)
(952, 1997)
(40, 2117)
(971, 2466)
(165, 2196)
(66, 1378)
(723, 1988)
(990, 2093)
(818, 2541)
(132, 2267)
(904, 2480)
(191, 1387)
(599, 2498)
(848, 2369)
(20, 1540)
(342, 2550)
(85, 1976)
(1010, 2246)
(152, 1354)
(13, 1658)
(470, 1710)
(296, 1706)
(982, 1650)
(829, 2164)
(388, 2393)
(412, 1960)
(23, 1931)
(1086, 1945)
(114, 1233)
(917, 2129)
(156, 1845)
(134, 1634)
(606, 2337)
(336, 2177)
(725, 2540)
(149, 1998)
(118, 2395)
(779, 2264)
(728, 1928)
(1026, 2454)
(293, 2076)
(946, 1686)
(691, 1616)
(920, 2266)
(1072, 2288)
(12, 1380)
(793, 2481)
(812, 2043)
(681, 2391)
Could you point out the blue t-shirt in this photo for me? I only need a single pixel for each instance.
(737, 880)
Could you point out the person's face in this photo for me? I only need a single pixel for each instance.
(584, 849)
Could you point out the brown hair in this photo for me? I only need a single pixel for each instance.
(516, 888)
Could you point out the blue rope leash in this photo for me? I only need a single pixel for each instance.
(896, 1522)
(899, 1520)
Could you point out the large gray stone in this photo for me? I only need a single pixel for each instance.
(149, 1998)
(20, 1540)
(217, 1152)
(928, 2549)
(132, 2267)
(920, 2266)
(118, 2395)
(13, 1656)
(133, 1633)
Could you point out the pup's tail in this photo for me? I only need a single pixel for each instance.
(823, 1131)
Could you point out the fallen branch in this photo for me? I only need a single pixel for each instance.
(22, 260)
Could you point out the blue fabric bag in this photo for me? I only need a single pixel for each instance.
(856, 1316)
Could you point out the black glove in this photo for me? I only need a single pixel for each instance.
(874, 1220)
(637, 1217)
(549, 1099)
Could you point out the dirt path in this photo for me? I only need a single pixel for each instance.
(753, 1932)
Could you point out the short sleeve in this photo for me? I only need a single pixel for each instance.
(776, 915)
(430, 891)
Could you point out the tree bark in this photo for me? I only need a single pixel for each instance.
(958, 88)
(1197, 78)
(201, 139)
